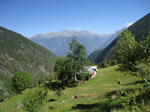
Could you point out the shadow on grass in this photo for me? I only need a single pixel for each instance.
(105, 106)
(135, 83)
(52, 100)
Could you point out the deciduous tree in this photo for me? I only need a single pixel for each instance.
(20, 81)
(133, 55)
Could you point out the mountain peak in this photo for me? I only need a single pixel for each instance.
(65, 33)
(57, 42)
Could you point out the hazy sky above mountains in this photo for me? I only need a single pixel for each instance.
(30, 17)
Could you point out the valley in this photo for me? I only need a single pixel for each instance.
(75, 56)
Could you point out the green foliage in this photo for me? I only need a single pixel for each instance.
(144, 96)
(84, 76)
(5, 87)
(66, 68)
(21, 81)
(18, 53)
(143, 70)
(35, 99)
(133, 99)
(114, 62)
(139, 28)
(107, 63)
(134, 58)
(78, 57)
(126, 53)
(42, 80)
(104, 64)
(63, 70)
(59, 66)
(129, 100)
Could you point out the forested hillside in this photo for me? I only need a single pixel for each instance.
(139, 28)
(18, 53)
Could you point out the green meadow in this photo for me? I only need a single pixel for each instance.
(92, 96)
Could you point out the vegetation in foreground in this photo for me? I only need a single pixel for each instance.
(98, 94)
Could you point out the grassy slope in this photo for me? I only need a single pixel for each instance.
(94, 91)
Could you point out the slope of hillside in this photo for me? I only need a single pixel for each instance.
(17, 53)
(139, 28)
(57, 42)
(90, 95)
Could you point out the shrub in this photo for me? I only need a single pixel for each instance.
(20, 81)
(129, 99)
(35, 100)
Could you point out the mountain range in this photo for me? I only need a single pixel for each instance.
(138, 29)
(18, 53)
(57, 42)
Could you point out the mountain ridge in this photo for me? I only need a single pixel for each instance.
(57, 42)
(138, 29)
(18, 53)
(67, 33)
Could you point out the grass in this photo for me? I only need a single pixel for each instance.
(91, 95)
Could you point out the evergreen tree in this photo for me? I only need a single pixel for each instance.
(78, 57)
(67, 69)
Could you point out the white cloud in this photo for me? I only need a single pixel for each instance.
(128, 24)
(78, 29)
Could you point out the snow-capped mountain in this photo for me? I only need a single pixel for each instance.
(57, 42)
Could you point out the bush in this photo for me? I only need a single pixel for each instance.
(35, 100)
(133, 99)
(21, 81)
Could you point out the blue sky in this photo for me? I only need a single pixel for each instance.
(30, 17)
